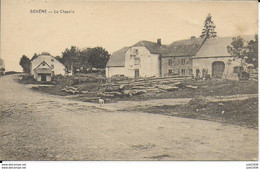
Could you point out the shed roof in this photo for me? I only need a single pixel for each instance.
(187, 47)
(215, 47)
(117, 59)
(43, 70)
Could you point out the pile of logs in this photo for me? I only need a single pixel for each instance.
(70, 89)
(131, 87)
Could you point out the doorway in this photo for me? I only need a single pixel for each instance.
(218, 68)
(137, 73)
(43, 77)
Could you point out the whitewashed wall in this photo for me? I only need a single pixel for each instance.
(149, 63)
(111, 71)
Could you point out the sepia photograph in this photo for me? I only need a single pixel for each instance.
(129, 80)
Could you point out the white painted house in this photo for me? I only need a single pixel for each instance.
(45, 66)
(139, 60)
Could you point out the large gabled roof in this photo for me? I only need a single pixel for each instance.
(43, 54)
(117, 59)
(187, 47)
(151, 46)
(217, 47)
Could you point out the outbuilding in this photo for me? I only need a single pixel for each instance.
(45, 66)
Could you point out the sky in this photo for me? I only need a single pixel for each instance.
(112, 24)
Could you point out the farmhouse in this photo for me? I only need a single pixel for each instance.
(214, 60)
(2, 67)
(45, 66)
(176, 58)
(143, 59)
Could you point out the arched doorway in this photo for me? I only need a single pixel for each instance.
(218, 68)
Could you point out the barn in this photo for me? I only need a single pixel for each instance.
(214, 60)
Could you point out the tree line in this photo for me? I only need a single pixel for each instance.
(247, 51)
(75, 59)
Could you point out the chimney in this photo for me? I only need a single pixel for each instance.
(192, 37)
(159, 42)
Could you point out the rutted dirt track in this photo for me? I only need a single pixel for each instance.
(35, 126)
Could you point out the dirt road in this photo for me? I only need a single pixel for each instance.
(35, 126)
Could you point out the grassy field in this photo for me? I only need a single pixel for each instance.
(241, 113)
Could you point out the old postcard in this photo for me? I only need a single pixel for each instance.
(129, 80)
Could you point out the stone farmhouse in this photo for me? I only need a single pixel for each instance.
(45, 66)
(177, 57)
(197, 57)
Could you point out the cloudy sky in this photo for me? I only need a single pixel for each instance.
(112, 25)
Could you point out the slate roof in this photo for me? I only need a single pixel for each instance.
(117, 59)
(151, 46)
(43, 70)
(187, 47)
(217, 47)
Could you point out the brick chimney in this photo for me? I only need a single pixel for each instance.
(159, 42)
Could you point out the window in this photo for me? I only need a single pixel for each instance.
(135, 52)
(169, 62)
(52, 60)
(183, 61)
(137, 61)
(132, 56)
(169, 71)
(52, 66)
(190, 72)
(43, 64)
(190, 61)
(183, 72)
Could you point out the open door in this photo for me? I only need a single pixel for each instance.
(43, 78)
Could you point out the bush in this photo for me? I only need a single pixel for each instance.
(199, 102)
(27, 79)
